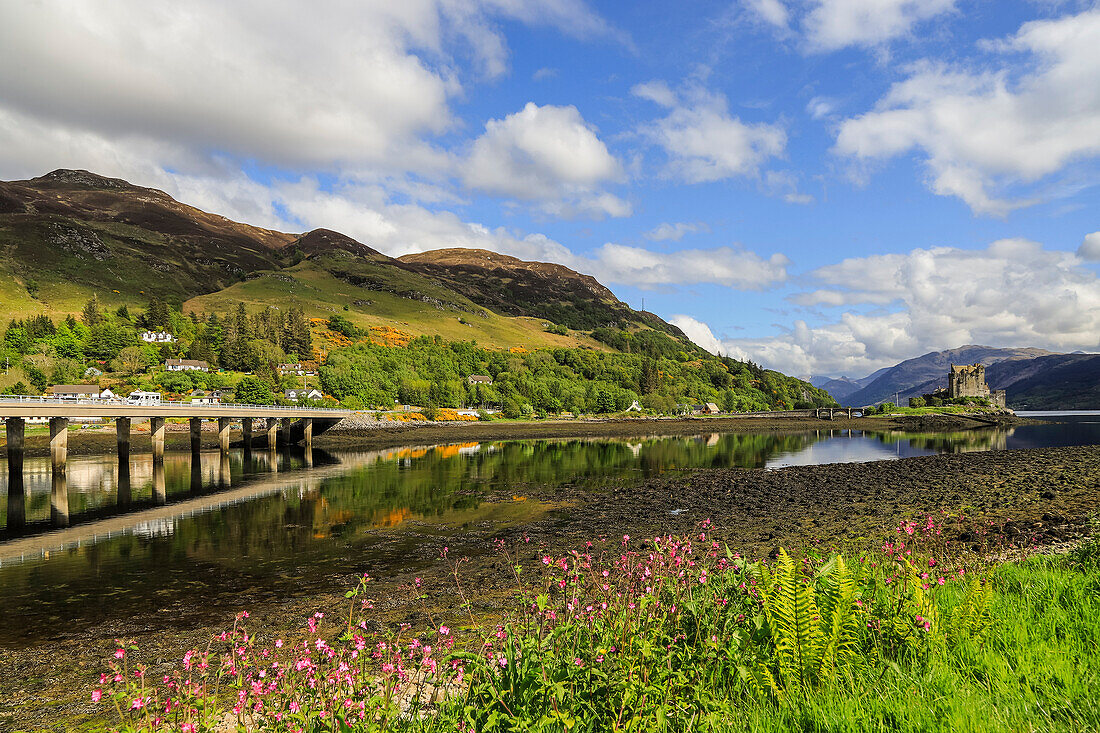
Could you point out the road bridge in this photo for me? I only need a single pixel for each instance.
(822, 413)
(284, 425)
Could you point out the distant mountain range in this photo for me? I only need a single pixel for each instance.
(1034, 379)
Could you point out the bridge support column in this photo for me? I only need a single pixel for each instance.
(223, 434)
(17, 503)
(284, 430)
(59, 442)
(15, 427)
(122, 434)
(156, 433)
(246, 432)
(272, 432)
(196, 435)
(307, 432)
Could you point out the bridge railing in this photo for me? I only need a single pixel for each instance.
(28, 399)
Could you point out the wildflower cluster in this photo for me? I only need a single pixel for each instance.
(621, 634)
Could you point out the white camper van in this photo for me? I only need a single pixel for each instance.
(143, 398)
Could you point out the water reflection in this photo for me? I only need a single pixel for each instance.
(151, 536)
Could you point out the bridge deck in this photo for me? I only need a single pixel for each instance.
(44, 407)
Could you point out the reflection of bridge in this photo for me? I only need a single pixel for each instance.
(284, 426)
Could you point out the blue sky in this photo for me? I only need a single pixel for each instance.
(822, 186)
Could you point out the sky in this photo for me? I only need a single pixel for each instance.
(825, 187)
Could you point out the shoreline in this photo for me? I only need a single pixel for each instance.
(383, 434)
(1044, 495)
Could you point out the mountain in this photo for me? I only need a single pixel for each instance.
(922, 374)
(1055, 382)
(541, 289)
(72, 233)
(839, 388)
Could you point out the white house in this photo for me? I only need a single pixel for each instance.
(296, 395)
(299, 368)
(158, 337)
(479, 379)
(186, 365)
(202, 397)
(80, 392)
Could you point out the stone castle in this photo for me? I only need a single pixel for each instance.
(968, 380)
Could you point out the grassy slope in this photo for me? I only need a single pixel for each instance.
(322, 295)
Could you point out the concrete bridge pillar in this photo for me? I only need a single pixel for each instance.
(223, 434)
(17, 503)
(246, 432)
(156, 433)
(59, 442)
(284, 430)
(15, 427)
(122, 434)
(272, 433)
(307, 432)
(196, 435)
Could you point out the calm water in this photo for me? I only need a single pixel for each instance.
(193, 543)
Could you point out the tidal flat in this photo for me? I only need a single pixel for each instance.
(995, 501)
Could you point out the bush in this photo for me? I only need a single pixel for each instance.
(252, 391)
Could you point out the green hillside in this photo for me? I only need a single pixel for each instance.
(87, 263)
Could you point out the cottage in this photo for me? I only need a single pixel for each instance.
(296, 395)
(634, 407)
(711, 409)
(157, 337)
(301, 369)
(80, 392)
(186, 365)
(479, 379)
(202, 397)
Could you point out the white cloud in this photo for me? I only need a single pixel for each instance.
(703, 141)
(821, 108)
(1012, 293)
(732, 267)
(546, 153)
(773, 12)
(674, 232)
(985, 132)
(834, 24)
(698, 332)
(1090, 247)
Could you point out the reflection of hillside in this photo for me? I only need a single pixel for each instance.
(962, 441)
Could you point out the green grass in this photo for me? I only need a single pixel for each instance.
(320, 295)
(943, 410)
